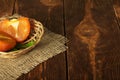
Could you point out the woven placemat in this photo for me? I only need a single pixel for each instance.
(50, 45)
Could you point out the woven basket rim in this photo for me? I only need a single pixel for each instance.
(39, 31)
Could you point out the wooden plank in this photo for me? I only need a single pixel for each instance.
(97, 36)
(78, 63)
(111, 53)
(6, 7)
(36, 74)
(50, 13)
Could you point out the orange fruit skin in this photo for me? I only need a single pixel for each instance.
(6, 42)
(23, 28)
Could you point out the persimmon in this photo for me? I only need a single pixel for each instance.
(6, 42)
(17, 28)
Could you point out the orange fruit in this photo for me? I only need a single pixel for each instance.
(17, 28)
(6, 42)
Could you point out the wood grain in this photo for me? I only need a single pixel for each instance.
(50, 13)
(6, 7)
(78, 61)
(111, 41)
(66, 17)
(106, 47)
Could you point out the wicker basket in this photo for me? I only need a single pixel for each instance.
(35, 35)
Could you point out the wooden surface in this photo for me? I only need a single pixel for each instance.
(93, 30)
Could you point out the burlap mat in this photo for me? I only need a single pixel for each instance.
(50, 45)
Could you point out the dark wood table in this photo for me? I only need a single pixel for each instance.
(93, 30)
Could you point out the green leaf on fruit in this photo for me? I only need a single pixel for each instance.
(23, 46)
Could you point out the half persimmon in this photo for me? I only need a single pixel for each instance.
(6, 42)
(17, 28)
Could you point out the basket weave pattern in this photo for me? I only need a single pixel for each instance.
(35, 35)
